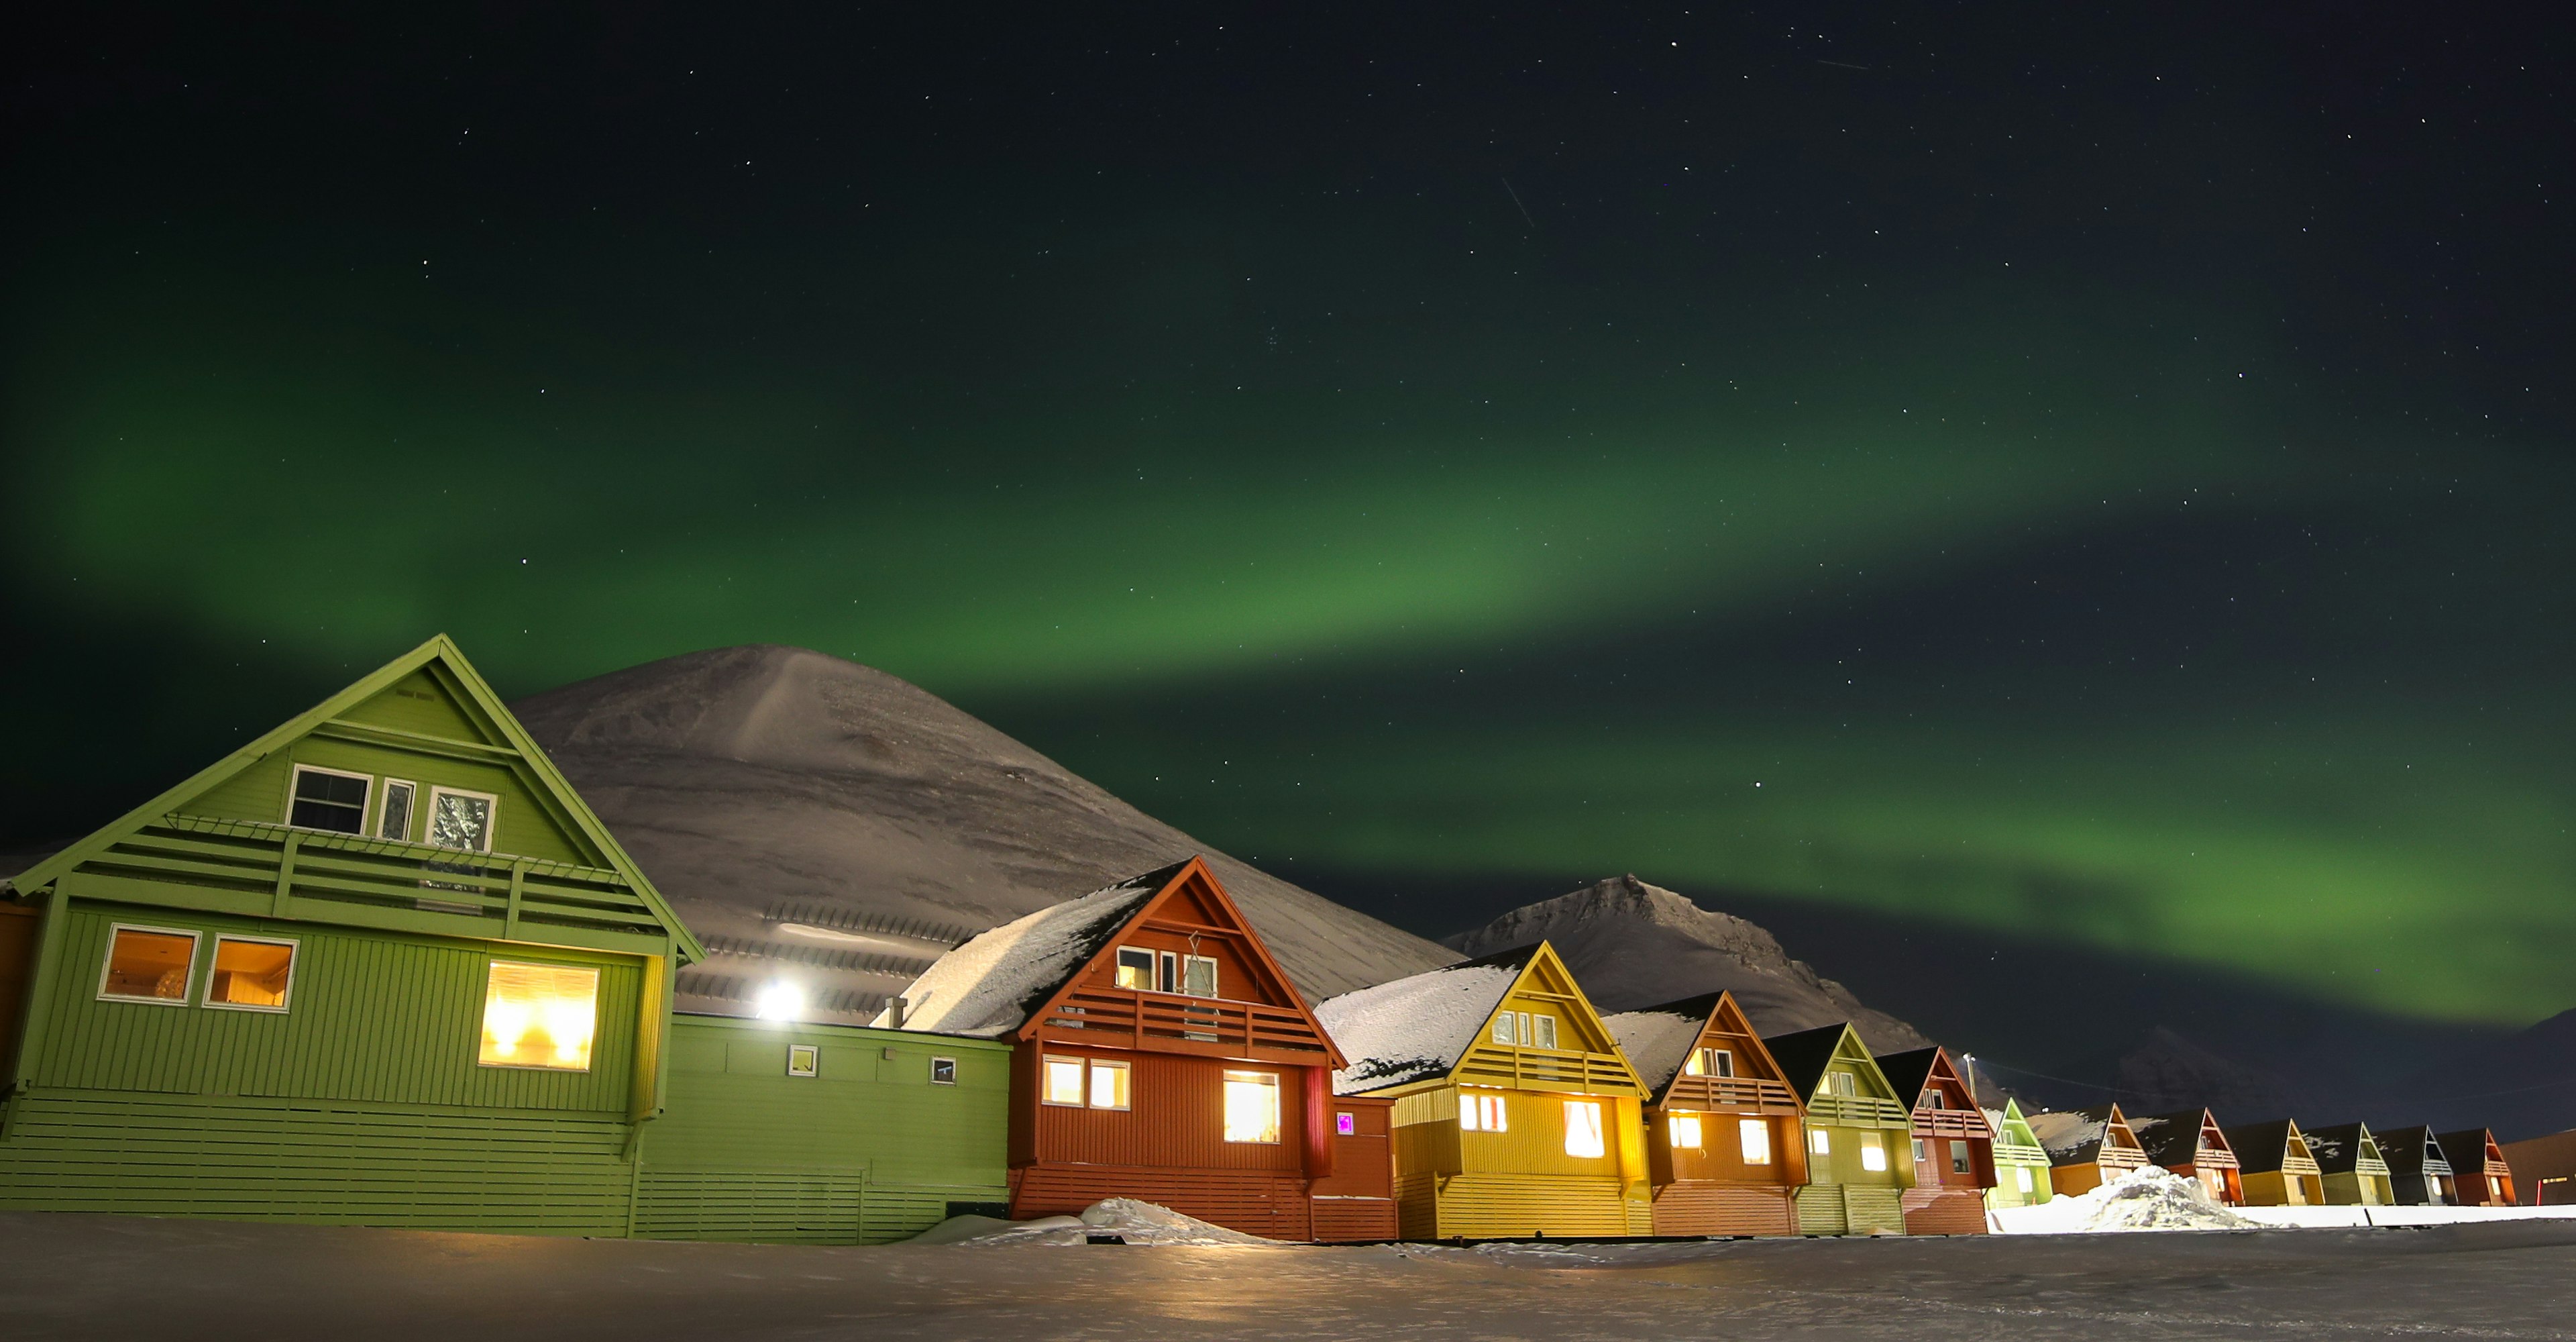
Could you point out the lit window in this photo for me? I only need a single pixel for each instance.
(461, 820)
(1683, 1130)
(1064, 1081)
(1755, 1137)
(1820, 1141)
(1346, 1124)
(804, 1059)
(1198, 976)
(1135, 969)
(1696, 1064)
(1481, 1113)
(1108, 1084)
(1583, 1128)
(1716, 1062)
(1251, 1107)
(2021, 1175)
(943, 1071)
(1544, 1027)
(1873, 1153)
(251, 974)
(395, 822)
(539, 1016)
(146, 965)
(329, 799)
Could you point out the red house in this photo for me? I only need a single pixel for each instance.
(1163, 1055)
(1954, 1145)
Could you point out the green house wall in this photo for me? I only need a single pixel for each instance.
(865, 1151)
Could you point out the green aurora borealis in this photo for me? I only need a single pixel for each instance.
(2080, 581)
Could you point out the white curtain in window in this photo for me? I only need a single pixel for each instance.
(1583, 1128)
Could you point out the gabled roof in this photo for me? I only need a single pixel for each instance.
(2412, 1151)
(1909, 1072)
(511, 747)
(2262, 1147)
(2338, 1148)
(2010, 1114)
(2075, 1137)
(1418, 1028)
(1806, 1055)
(2470, 1150)
(2171, 1139)
(1659, 1039)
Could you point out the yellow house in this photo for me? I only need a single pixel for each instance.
(2278, 1168)
(1860, 1157)
(1515, 1112)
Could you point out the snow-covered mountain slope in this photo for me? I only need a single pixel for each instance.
(828, 825)
(1635, 945)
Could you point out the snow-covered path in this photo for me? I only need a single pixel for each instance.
(67, 1276)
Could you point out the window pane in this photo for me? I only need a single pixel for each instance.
(1503, 1029)
(1722, 1062)
(1198, 976)
(151, 965)
(1583, 1128)
(2021, 1175)
(1696, 1064)
(1108, 1085)
(329, 801)
(459, 821)
(1251, 1107)
(1873, 1153)
(1684, 1129)
(250, 973)
(1755, 1135)
(396, 821)
(1495, 1119)
(1919, 1157)
(1064, 1081)
(1546, 1028)
(1135, 969)
(943, 1071)
(1820, 1141)
(540, 1016)
(1958, 1157)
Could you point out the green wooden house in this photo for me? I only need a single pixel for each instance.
(2021, 1163)
(1858, 1133)
(383, 966)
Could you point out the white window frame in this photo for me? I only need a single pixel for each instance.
(1721, 1064)
(1503, 1030)
(1753, 1140)
(1167, 971)
(1599, 1127)
(384, 797)
(1091, 1071)
(1819, 1142)
(294, 960)
(1278, 1119)
(804, 1059)
(491, 830)
(1189, 962)
(1080, 1064)
(196, 948)
(1674, 1124)
(1120, 967)
(934, 1071)
(1922, 1152)
(366, 804)
(1544, 1027)
(1471, 1112)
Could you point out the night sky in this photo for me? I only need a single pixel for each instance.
(2046, 479)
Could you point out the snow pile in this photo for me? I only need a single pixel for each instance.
(1133, 1222)
(2147, 1198)
(1412, 1028)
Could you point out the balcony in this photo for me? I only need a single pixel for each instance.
(1170, 1023)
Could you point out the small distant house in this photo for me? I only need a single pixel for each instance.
(2419, 1175)
(2480, 1174)
(2275, 1164)
(1856, 1174)
(2087, 1148)
(2350, 1166)
(1722, 1134)
(1953, 1145)
(2544, 1169)
(380, 965)
(2190, 1143)
(1159, 1053)
(1515, 1113)
(2021, 1163)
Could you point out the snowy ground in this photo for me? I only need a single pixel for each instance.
(129, 1277)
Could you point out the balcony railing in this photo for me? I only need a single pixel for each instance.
(2014, 1153)
(1546, 1069)
(1171, 1023)
(1731, 1094)
(1951, 1123)
(1858, 1111)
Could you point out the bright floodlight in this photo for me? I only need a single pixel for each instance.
(779, 1001)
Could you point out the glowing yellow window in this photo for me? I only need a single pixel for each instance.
(1251, 1107)
(251, 974)
(540, 1016)
(1583, 1128)
(1064, 1081)
(149, 965)
(1108, 1085)
(1873, 1153)
(1755, 1137)
(1684, 1131)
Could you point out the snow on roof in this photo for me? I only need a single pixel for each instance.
(1657, 1040)
(1416, 1028)
(2169, 1139)
(2072, 1138)
(2260, 1147)
(989, 986)
(2338, 1148)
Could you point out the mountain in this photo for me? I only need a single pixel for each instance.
(1637, 945)
(2166, 1072)
(826, 824)
(2523, 1086)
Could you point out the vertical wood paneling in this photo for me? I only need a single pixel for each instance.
(1177, 1118)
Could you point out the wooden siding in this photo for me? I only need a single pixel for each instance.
(1363, 1162)
(1257, 1203)
(1725, 1209)
(1720, 1158)
(1849, 1209)
(324, 1161)
(1952, 1210)
(18, 928)
(1111, 1017)
(1176, 1117)
(1516, 1206)
(1349, 1220)
(376, 1018)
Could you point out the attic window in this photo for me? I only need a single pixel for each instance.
(394, 822)
(1525, 1029)
(1135, 969)
(1841, 1083)
(1198, 976)
(1710, 1062)
(1933, 1101)
(328, 799)
(148, 964)
(1683, 1129)
(461, 819)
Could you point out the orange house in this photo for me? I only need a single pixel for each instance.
(2087, 1148)
(1954, 1145)
(2478, 1168)
(2191, 1144)
(1162, 1055)
(1724, 1150)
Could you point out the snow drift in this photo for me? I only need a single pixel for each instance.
(2142, 1199)
(1133, 1222)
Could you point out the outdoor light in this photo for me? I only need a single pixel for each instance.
(779, 1001)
